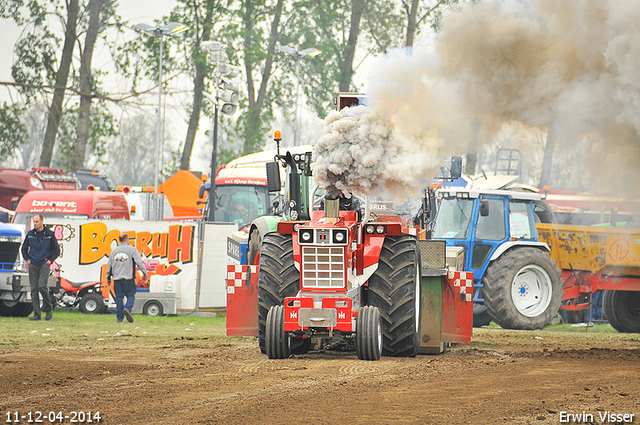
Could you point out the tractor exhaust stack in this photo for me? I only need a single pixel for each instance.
(331, 210)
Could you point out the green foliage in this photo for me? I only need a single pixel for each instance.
(12, 131)
(244, 28)
(35, 59)
(101, 129)
(172, 165)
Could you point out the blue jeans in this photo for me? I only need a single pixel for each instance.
(124, 288)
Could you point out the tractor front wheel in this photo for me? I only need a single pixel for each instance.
(395, 289)
(278, 278)
(277, 341)
(523, 289)
(622, 310)
(368, 333)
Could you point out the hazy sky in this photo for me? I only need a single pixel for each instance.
(134, 11)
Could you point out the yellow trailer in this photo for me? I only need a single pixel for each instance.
(599, 258)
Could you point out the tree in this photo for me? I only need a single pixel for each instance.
(203, 30)
(258, 47)
(547, 160)
(55, 110)
(128, 160)
(13, 131)
(84, 111)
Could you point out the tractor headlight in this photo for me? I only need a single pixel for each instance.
(370, 229)
(339, 236)
(306, 235)
(380, 230)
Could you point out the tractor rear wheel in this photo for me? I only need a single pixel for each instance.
(278, 278)
(368, 333)
(277, 341)
(395, 289)
(622, 310)
(523, 289)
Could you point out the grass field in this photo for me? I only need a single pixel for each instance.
(70, 328)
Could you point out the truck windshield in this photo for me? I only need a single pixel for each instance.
(21, 218)
(241, 204)
(452, 221)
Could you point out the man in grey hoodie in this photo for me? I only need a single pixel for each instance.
(122, 267)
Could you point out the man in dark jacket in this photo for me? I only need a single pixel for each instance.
(40, 249)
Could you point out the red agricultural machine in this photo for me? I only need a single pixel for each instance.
(343, 277)
(349, 282)
(341, 281)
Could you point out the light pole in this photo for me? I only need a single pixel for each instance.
(225, 101)
(297, 56)
(170, 29)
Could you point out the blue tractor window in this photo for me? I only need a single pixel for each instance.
(492, 227)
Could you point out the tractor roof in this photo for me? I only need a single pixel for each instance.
(475, 193)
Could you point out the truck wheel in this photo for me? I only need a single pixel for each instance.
(15, 309)
(622, 309)
(481, 316)
(523, 289)
(368, 333)
(395, 289)
(253, 250)
(92, 304)
(278, 278)
(153, 308)
(276, 339)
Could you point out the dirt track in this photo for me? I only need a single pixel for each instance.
(503, 377)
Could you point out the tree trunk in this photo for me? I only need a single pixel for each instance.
(411, 23)
(84, 112)
(547, 160)
(198, 90)
(55, 110)
(252, 133)
(346, 67)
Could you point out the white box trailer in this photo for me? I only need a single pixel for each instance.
(186, 261)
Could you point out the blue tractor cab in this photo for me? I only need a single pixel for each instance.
(516, 283)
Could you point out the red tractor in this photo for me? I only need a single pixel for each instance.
(339, 280)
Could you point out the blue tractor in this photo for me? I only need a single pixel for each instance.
(516, 282)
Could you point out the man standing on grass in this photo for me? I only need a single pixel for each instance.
(122, 267)
(40, 249)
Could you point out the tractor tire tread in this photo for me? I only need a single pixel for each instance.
(392, 288)
(497, 282)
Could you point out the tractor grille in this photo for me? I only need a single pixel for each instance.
(323, 267)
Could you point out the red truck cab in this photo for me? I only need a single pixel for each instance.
(15, 183)
(71, 204)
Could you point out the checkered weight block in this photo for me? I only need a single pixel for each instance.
(237, 274)
(463, 281)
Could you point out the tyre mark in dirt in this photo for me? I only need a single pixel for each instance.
(359, 368)
(252, 368)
